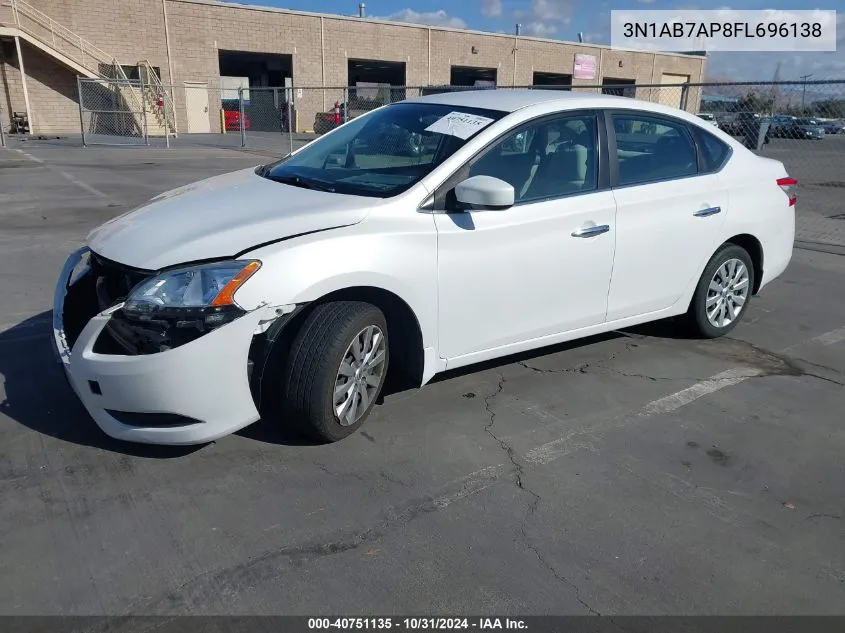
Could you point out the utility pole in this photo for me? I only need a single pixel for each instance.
(775, 89)
(804, 91)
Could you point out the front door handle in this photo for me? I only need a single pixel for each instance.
(703, 213)
(591, 231)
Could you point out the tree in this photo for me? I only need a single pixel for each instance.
(830, 108)
(753, 102)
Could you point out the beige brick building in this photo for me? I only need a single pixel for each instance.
(192, 43)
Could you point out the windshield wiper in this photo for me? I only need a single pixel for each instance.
(305, 183)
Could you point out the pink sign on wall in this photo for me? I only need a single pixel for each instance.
(585, 66)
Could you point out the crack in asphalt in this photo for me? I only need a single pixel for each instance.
(519, 482)
(819, 365)
(265, 567)
(558, 577)
(509, 450)
(580, 369)
(824, 378)
(770, 364)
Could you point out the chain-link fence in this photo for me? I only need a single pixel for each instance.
(112, 112)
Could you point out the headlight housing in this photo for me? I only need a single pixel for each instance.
(191, 289)
(180, 305)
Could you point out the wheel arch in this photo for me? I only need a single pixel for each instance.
(755, 250)
(407, 365)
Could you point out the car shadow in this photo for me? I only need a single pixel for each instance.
(38, 396)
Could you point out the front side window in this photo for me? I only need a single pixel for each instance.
(547, 158)
(385, 152)
(650, 149)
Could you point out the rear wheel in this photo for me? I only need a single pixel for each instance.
(336, 369)
(723, 292)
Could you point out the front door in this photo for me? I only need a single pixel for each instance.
(539, 268)
(196, 104)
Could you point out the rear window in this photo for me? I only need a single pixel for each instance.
(714, 152)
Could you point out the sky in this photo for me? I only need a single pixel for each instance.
(564, 19)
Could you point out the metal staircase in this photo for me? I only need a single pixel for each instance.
(161, 120)
(21, 19)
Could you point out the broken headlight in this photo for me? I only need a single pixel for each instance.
(180, 305)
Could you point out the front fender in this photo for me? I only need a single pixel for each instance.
(399, 257)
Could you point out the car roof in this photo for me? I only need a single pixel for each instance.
(511, 100)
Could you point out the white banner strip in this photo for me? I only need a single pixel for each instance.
(724, 30)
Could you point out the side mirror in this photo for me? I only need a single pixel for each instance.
(485, 192)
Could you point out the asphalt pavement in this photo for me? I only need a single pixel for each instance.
(633, 473)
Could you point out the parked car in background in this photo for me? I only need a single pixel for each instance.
(738, 123)
(710, 118)
(798, 128)
(288, 292)
(232, 119)
(232, 116)
(833, 126)
(779, 121)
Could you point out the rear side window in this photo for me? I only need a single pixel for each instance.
(651, 149)
(713, 152)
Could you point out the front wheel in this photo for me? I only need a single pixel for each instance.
(723, 292)
(336, 369)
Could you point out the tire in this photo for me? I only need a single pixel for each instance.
(312, 371)
(724, 263)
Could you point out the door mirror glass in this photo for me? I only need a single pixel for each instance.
(485, 192)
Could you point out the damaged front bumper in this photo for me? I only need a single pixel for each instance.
(192, 394)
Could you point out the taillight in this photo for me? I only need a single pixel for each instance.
(787, 184)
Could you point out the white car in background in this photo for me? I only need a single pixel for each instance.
(710, 118)
(485, 223)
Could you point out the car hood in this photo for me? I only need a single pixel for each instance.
(220, 217)
(811, 128)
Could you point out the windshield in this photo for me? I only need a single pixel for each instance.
(383, 153)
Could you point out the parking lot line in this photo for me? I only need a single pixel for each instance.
(585, 439)
(678, 399)
(70, 178)
(550, 451)
(582, 439)
(831, 338)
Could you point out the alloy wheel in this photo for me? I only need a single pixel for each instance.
(727, 293)
(360, 375)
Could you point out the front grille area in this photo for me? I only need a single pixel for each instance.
(105, 284)
(114, 281)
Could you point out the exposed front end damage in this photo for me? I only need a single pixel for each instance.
(183, 392)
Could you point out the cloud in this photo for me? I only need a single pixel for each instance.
(491, 8)
(761, 66)
(433, 18)
(540, 29)
(552, 10)
(646, 1)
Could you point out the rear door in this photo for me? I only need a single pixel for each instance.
(669, 211)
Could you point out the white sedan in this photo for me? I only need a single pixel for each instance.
(423, 236)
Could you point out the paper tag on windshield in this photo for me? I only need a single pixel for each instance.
(459, 124)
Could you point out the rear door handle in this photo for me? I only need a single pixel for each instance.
(591, 231)
(703, 213)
